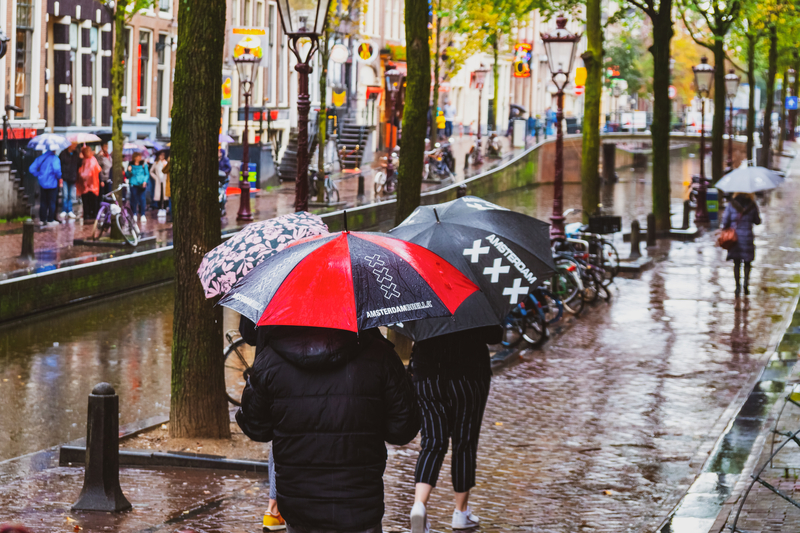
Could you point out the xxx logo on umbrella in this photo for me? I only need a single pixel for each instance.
(382, 276)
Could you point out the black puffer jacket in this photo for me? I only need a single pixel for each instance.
(328, 400)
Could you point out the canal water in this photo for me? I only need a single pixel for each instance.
(50, 362)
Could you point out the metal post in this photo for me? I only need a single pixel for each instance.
(478, 159)
(101, 490)
(687, 206)
(244, 184)
(701, 213)
(303, 107)
(4, 151)
(636, 235)
(557, 229)
(651, 229)
(27, 239)
(730, 135)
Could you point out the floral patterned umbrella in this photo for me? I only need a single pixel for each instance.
(226, 264)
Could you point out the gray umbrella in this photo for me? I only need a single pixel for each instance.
(749, 180)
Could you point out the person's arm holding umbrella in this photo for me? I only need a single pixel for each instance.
(402, 415)
(255, 414)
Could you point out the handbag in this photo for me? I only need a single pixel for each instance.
(727, 237)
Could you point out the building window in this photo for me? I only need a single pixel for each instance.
(161, 49)
(235, 12)
(247, 12)
(260, 14)
(164, 5)
(143, 72)
(22, 59)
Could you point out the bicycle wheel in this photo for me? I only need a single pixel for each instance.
(551, 306)
(380, 179)
(566, 286)
(126, 227)
(534, 330)
(609, 261)
(512, 331)
(100, 223)
(332, 194)
(238, 359)
(590, 291)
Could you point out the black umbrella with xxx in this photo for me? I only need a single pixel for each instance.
(505, 253)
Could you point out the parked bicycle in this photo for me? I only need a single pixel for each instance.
(434, 166)
(386, 179)
(238, 357)
(112, 211)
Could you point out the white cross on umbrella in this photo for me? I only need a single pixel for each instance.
(476, 251)
(495, 270)
(515, 291)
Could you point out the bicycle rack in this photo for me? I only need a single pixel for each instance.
(794, 398)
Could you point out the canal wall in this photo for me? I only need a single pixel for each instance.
(26, 295)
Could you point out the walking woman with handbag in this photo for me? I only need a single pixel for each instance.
(741, 215)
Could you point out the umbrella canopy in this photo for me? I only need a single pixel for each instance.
(223, 138)
(349, 281)
(233, 259)
(48, 142)
(152, 143)
(505, 253)
(749, 180)
(134, 147)
(84, 137)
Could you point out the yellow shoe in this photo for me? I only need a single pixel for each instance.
(273, 522)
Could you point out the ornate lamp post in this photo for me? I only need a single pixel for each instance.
(731, 88)
(791, 77)
(303, 20)
(394, 79)
(478, 81)
(560, 47)
(703, 78)
(617, 92)
(247, 58)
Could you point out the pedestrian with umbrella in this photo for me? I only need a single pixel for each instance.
(740, 215)
(47, 169)
(71, 160)
(506, 254)
(328, 370)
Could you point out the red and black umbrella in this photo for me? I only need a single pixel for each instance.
(350, 281)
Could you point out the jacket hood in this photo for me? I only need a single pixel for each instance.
(315, 349)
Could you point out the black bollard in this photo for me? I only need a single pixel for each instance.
(101, 490)
(636, 236)
(27, 239)
(609, 162)
(361, 185)
(686, 209)
(651, 230)
(462, 191)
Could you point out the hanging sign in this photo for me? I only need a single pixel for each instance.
(365, 52)
(522, 60)
(580, 76)
(339, 97)
(227, 91)
(672, 92)
(791, 103)
(247, 43)
(339, 53)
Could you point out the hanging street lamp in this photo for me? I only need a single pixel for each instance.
(560, 46)
(394, 80)
(478, 81)
(247, 58)
(703, 79)
(731, 88)
(303, 21)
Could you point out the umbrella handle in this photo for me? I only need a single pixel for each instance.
(344, 214)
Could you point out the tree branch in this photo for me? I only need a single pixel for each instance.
(649, 9)
(692, 33)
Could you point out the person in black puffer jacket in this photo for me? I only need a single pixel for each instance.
(328, 400)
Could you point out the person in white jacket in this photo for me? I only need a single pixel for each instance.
(160, 179)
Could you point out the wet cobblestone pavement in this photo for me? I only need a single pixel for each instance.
(603, 430)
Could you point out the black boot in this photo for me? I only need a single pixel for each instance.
(746, 278)
(736, 265)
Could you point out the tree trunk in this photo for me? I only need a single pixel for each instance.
(593, 60)
(718, 125)
(782, 119)
(322, 117)
(772, 70)
(436, 63)
(418, 88)
(198, 408)
(117, 81)
(662, 35)
(496, 82)
(751, 102)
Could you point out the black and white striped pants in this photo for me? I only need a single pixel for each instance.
(451, 408)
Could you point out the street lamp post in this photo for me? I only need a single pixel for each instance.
(791, 76)
(247, 58)
(478, 81)
(703, 78)
(303, 21)
(617, 91)
(393, 80)
(731, 88)
(560, 46)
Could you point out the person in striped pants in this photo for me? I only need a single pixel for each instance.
(451, 375)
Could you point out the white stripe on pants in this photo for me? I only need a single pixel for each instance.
(451, 408)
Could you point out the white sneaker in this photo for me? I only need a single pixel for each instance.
(71, 214)
(63, 215)
(162, 213)
(419, 519)
(54, 223)
(143, 219)
(465, 520)
(135, 218)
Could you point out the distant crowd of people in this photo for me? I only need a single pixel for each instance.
(81, 174)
